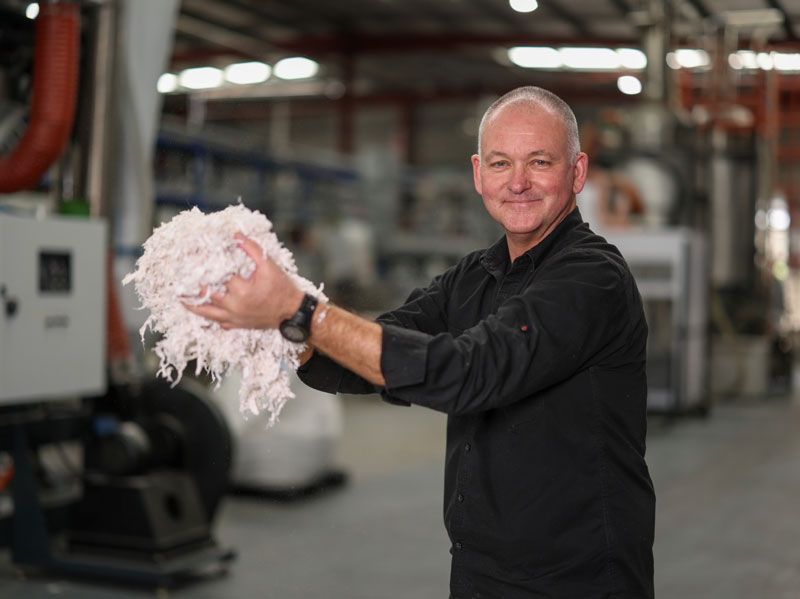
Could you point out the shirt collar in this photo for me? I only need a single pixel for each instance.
(496, 260)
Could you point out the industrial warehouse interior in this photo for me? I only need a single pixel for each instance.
(141, 455)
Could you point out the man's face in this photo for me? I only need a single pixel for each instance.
(526, 177)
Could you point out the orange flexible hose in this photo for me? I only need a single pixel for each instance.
(55, 84)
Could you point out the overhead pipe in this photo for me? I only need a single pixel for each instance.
(53, 98)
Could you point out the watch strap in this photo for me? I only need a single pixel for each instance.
(302, 318)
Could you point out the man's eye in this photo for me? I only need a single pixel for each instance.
(498, 163)
(541, 162)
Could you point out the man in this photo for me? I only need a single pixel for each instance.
(535, 348)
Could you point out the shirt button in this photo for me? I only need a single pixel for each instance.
(460, 498)
(467, 447)
(459, 545)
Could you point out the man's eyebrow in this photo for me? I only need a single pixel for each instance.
(496, 153)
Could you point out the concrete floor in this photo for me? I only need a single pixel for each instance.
(727, 528)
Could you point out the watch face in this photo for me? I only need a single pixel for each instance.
(292, 332)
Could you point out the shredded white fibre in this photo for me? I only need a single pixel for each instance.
(196, 251)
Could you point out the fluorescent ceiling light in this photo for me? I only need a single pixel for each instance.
(672, 62)
(200, 78)
(748, 59)
(631, 58)
(786, 62)
(32, 11)
(524, 5)
(577, 58)
(688, 58)
(535, 57)
(167, 83)
(244, 73)
(780, 61)
(629, 85)
(296, 67)
(764, 61)
(591, 59)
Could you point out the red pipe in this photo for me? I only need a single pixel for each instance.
(55, 83)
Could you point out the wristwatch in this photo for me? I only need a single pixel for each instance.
(298, 327)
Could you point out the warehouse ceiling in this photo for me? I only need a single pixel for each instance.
(440, 47)
(379, 50)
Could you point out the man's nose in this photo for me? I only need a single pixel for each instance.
(520, 182)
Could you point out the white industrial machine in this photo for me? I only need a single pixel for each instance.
(52, 308)
(671, 270)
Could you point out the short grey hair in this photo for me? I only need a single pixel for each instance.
(546, 99)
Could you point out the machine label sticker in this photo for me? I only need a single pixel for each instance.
(57, 321)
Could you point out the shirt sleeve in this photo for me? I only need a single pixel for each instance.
(424, 311)
(323, 374)
(567, 317)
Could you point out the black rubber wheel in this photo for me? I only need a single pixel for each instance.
(188, 432)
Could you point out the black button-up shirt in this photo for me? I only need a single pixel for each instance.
(540, 366)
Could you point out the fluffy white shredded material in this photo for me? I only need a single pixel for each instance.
(196, 251)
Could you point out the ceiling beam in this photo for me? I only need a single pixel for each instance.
(413, 41)
(222, 36)
(570, 17)
(248, 30)
(622, 7)
(321, 107)
(254, 109)
(195, 54)
(324, 12)
(431, 9)
(701, 8)
(787, 19)
(268, 16)
(508, 18)
(316, 46)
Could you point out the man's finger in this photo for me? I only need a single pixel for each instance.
(208, 311)
(217, 299)
(250, 247)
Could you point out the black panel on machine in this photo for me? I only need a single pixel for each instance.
(55, 272)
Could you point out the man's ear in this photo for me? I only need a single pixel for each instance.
(580, 170)
(476, 173)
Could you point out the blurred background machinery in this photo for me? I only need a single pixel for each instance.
(139, 467)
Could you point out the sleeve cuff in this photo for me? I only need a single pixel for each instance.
(321, 373)
(404, 355)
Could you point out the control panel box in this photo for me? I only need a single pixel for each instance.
(52, 308)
